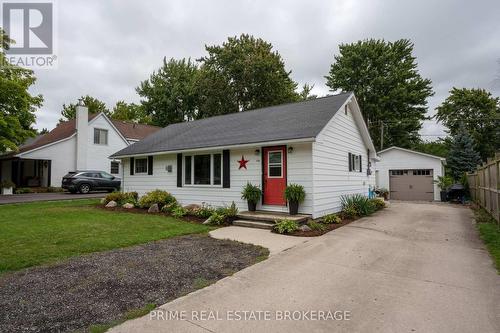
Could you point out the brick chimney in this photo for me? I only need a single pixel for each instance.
(82, 134)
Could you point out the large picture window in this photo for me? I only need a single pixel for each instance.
(203, 169)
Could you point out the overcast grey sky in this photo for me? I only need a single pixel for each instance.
(105, 48)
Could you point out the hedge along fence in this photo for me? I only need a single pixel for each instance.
(484, 185)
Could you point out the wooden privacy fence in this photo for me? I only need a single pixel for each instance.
(484, 185)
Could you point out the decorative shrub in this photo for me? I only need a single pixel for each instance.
(285, 226)
(22, 190)
(121, 198)
(159, 197)
(316, 225)
(350, 212)
(217, 219)
(7, 184)
(295, 193)
(357, 202)
(331, 218)
(178, 211)
(230, 211)
(378, 203)
(169, 207)
(251, 193)
(444, 182)
(382, 191)
(205, 211)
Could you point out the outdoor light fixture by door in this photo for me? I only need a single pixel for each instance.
(290, 150)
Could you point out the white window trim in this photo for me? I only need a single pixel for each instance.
(107, 136)
(211, 170)
(135, 166)
(274, 164)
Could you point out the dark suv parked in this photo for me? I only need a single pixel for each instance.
(86, 181)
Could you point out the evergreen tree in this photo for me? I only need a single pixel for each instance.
(462, 156)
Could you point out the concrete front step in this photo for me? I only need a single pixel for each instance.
(271, 217)
(253, 224)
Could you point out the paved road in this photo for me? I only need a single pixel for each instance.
(31, 197)
(409, 268)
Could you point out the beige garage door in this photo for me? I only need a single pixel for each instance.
(414, 184)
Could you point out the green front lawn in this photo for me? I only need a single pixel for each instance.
(42, 232)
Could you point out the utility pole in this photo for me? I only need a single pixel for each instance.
(381, 135)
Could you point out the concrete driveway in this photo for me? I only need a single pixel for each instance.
(410, 268)
(32, 197)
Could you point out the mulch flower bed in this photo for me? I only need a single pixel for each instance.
(328, 227)
(188, 218)
(102, 287)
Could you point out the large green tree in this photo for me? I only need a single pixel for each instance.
(130, 112)
(241, 74)
(17, 105)
(439, 147)
(170, 94)
(389, 89)
(479, 112)
(93, 104)
(462, 156)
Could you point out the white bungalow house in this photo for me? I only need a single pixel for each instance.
(83, 143)
(322, 144)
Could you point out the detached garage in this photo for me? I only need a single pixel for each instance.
(409, 175)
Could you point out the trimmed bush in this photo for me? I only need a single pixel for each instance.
(121, 198)
(205, 211)
(316, 225)
(159, 197)
(169, 207)
(23, 190)
(217, 219)
(331, 218)
(230, 211)
(378, 203)
(350, 212)
(285, 226)
(178, 211)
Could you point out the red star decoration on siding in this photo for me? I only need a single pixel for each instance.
(243, 163)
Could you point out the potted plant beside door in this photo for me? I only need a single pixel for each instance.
(252, 194)
(7, 187)
(295, 194)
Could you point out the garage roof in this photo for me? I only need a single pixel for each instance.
(412, 152)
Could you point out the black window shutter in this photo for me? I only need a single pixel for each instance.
(360, 164)
(131, 165)
(226, 166)
(350, 162)
(150, 165)
(179, 170)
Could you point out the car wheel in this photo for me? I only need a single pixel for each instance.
(84, 188)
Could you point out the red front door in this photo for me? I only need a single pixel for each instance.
(274, 175)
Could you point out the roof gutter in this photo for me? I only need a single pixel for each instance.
(246, 145)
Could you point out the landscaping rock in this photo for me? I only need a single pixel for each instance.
(192, 207)
(207, 221)
(111, 204)
(304, 227)
(154, 208)
(128, 205)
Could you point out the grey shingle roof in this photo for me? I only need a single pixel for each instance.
(282, 122)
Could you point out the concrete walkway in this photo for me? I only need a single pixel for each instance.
(274, 242)
(33, 197)
(409, 268)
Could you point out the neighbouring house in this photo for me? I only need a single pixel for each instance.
(321, 144)
(408, 174)
(84, 143)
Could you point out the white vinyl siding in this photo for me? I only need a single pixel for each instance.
(331, 175)
(299, 165)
